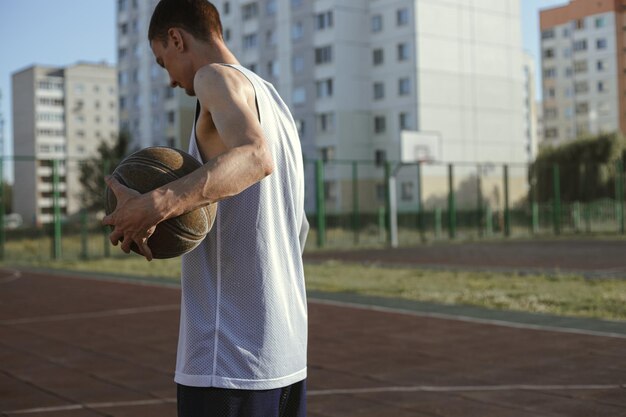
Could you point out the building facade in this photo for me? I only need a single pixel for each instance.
(362, 78)
(150, 111)
(584, 83)
(59, 114)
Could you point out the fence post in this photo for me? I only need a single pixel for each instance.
(556, 205)
(84, 252)
(489, 221)
(388, 195)
(319, 203)
(56, 241)
(2, 197)
(619, 191)
(106, 167)
(451, 203)
(420, 204)
(355, 201)
(507, 211)
(479, 199)
(534, 204)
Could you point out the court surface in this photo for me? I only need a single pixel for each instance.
(74, 346)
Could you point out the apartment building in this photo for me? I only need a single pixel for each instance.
(532, 129)
(150, 111)
(583, 69)
(359, 77)
(59, 114)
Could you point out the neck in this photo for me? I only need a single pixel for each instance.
(215, 52)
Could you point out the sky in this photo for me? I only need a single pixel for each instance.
(63, 32)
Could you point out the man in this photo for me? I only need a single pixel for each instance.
(243, 329)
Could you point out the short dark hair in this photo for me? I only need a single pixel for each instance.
(198, 17)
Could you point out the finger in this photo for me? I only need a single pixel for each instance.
(145, 250)
(127, 241)
(114, 184)
(115, 237)
(108, 220)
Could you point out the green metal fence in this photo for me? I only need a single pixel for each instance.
(349, 204)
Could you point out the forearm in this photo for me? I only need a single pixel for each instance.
(222, 177)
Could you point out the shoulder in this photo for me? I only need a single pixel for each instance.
(217, 80)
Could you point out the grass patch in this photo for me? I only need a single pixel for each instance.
(564, 295)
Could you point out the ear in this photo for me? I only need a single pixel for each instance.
(177, 39)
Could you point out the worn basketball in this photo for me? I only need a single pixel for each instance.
(154, 167)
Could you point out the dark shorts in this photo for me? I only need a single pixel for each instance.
(218, 402)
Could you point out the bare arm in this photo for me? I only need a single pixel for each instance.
(227, 96)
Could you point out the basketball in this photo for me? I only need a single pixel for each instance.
(154, 167)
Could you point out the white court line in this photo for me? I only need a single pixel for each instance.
(468, 319)
(465, 388)
(347, 391)
(95, 314)
(136, 403)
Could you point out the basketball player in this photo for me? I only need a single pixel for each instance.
(243, 327)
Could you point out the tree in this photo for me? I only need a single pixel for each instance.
(586, 168)
(92, 171)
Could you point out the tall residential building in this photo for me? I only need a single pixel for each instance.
(58, 114)
(150, 111)
(359, 76)
(583, 69)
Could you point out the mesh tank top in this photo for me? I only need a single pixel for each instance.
(243, 310)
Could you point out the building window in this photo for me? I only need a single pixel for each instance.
(297, 64)
(296, 3)
(377, 23)
(324, 88)
(298, 96)
(600, 22)
(549, 73)
(380, 124)
(601, 86)
(548, 34)
(404, 87)
(297, 31)
(379, 91)
(273, 69)
(550, 113)
(327, 153)
(580, 67)
(300, 125)
(270, 37)
(226, 7)
(407, 191)
(552, 133)
(250, 41)
(582, 108)
(580, 45)
(600, 66)
(402, 16)
(171, 118)
(404, 121)
(601, 43)
(548, 53)
(380, 157)
(270, 7)
(403, 51)
(326, 122)
(323, 55)
(250, 11)
(378, 56)
(579, 24)
(227, 34)
(581, 87)
(551, 92)
(324, 20)
(330, 190)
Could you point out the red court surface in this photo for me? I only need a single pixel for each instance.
(74, 346)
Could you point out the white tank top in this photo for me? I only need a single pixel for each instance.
(243, 311)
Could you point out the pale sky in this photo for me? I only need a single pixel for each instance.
(63, 32)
